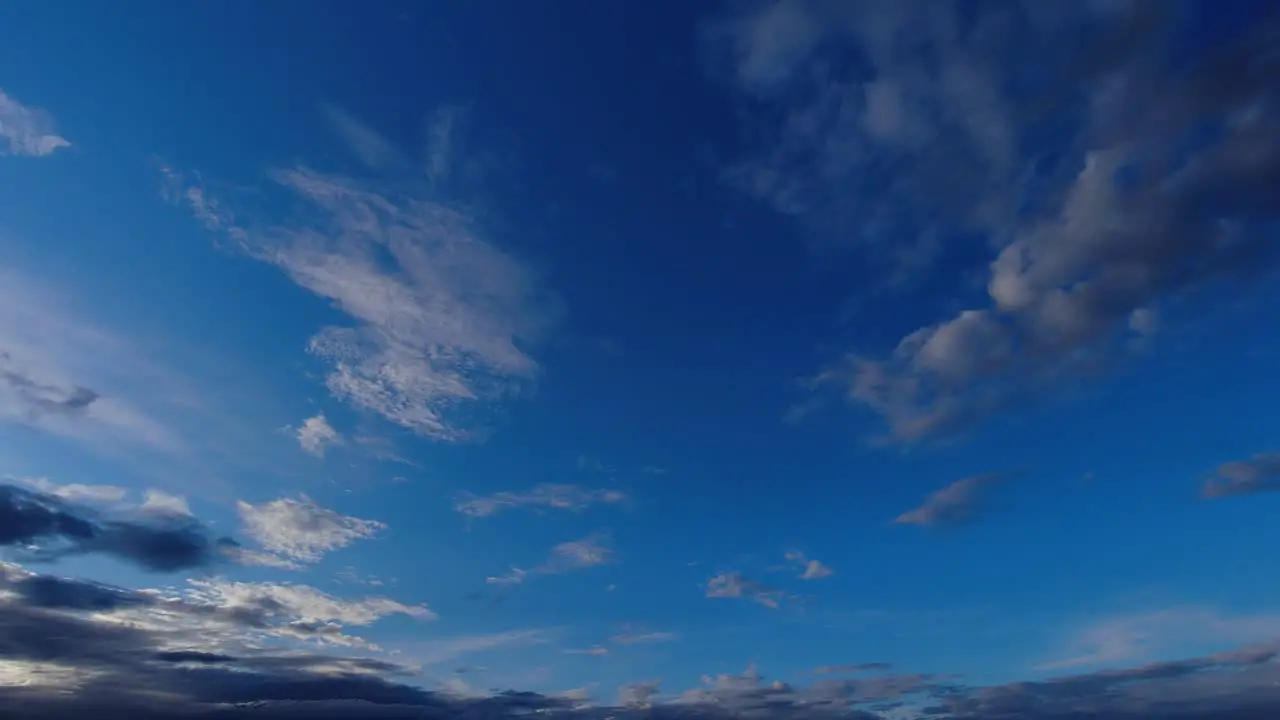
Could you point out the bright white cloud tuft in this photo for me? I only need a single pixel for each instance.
(316, 434)
(810, 569)
(299, 529)
(27, 130)
(76, 492)
(162, 503)
(736, 585)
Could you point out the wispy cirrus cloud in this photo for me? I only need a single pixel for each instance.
(954, 504)
(546, 496)
(27, 130)
(587, 552)
(1260, 473)
(298, 529)
(440, 318)
(1089, 187)
(1146, 636)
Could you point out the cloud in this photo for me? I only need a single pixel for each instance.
(27, 130)
(954, 504)
(570, 556)
(1260, 473)
(368, 146)
(46, 527)
(735, 585)
(439, 319)
(643, 638)
(851, 669)
(301, 530)
(162, 503)
(66, 376)
(1142, 637)
(75, 492)
(316, 434)
(1059, 138)
(810, 569)
(550, 496)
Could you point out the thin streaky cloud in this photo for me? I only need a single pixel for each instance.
(27, 130)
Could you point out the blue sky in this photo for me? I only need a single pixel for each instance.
(911, 359)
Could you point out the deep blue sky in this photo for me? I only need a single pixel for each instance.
(643, 343)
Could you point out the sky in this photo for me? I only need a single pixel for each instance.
(882, 360)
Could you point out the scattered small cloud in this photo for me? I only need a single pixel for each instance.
(735, 585)
(549, 496)
(810, 569)
(643, 638)
(852, 669)
(596, 650)
(300, 530)
(27, 130)
(954, 504)
(368, 146)
(316, 434)
(1260, 473)
(570, 556)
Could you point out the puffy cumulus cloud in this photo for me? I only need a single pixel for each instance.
(47, 527)
(440, 319)
(27, 130)
(736, 585)
(546, 496)
(299, 529)
(316, 434)
(1260, 473)
(954, 504)
(1062, 137)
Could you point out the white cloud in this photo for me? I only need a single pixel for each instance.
(440, 319)
(552, 496)
(316, 434)
(158, 501)
(810, 569)
(299, 603)
(28, 131)
(642, 638)
(368, 146)
(735, 585)
(299, 529)
(570, 556)
(955, 503)
(76, 492)
(1143, 637)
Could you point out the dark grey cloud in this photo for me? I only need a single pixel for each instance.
(37, 398)
(47, 527)
(127, 669)
(1260, 473)
(1109, 160)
